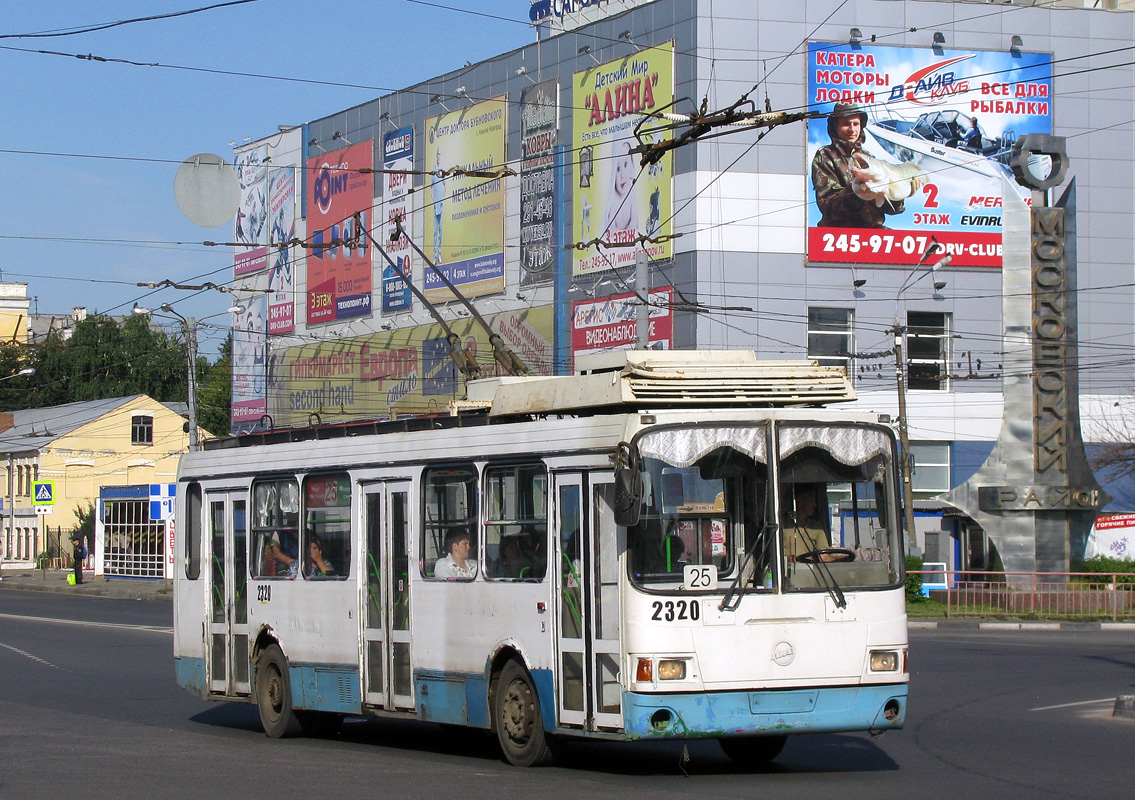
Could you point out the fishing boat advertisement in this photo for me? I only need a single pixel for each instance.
(912, 146)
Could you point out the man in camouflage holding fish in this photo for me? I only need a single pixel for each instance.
(853, 189)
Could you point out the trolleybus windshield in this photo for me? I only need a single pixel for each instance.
(706, 501)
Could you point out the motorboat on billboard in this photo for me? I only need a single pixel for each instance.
(939, 139)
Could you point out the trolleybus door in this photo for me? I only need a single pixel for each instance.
(589, 690)
(228, 593)
(386, 598)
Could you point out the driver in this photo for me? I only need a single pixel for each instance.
(805, 530)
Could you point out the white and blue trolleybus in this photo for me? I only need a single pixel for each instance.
(667, 545)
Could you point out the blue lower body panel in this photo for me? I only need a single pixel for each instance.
(326, 687)
(191, 675)
(459, 699)
(715, 714)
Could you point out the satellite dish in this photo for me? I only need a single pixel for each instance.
(207, 190)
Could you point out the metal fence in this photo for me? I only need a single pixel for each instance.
(1059, 595)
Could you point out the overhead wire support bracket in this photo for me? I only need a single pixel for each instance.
(509, 360)
(742, 114)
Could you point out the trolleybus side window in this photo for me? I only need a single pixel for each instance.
(193, 531)
(449, 503)
(327, 526)
(703, 500)
(837, 483)
(275, 529)
(516, 522)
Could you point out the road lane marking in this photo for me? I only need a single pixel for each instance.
(1073, 705)
(26, 654)
(120, 626)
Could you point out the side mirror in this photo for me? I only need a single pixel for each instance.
(628, 496)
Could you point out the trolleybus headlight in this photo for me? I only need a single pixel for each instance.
(671, 669)
(884, 661)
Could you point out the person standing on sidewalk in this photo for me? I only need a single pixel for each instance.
(77, 555)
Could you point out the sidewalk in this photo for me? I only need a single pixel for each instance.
(160, 590)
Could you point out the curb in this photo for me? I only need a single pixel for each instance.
(975, 625)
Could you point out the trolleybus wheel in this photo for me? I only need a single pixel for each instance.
(517, 719)
(274, 695)
(753, 749)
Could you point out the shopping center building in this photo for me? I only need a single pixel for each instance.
(523, 178)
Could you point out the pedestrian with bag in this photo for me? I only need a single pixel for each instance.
(77, 555)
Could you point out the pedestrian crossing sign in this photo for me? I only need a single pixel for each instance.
(43, 492)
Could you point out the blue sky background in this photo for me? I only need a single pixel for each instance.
(126, 114)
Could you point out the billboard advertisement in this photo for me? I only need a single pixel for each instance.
(281, 277)
(339, 260)
(397, 154)
(250, 348)
(464, 216)
(912, 148)
(406, 371)
(610, 323)
(539, 135)
(251, 228)
(614, 199)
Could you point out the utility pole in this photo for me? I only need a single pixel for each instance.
(642, 288)
(190, 326)
(191, 347)
(904, 439)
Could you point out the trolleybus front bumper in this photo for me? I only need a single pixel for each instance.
(774, 711)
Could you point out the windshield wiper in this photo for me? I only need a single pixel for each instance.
(737, 589)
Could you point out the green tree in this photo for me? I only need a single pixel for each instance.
(14, 357)
(214, 392)
(105, 358)
(85, 522)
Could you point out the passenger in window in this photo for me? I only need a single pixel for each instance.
(457, 563)
(278, 562)
(515, 561)
(805, 530)
(317, 565)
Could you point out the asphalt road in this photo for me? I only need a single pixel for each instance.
(91, 710)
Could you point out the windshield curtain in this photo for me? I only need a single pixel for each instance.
(837, 507)
(703, 491)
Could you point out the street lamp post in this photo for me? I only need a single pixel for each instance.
(189, 324)
(901, 380)
(904, 438)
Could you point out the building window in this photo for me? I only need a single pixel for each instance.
(830, 337)
(141, 429)
(928, 350)
(931, 475)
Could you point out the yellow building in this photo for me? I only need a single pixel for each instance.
(14, 306)
(80, 447)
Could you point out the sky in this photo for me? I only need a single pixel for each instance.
(89, 149)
